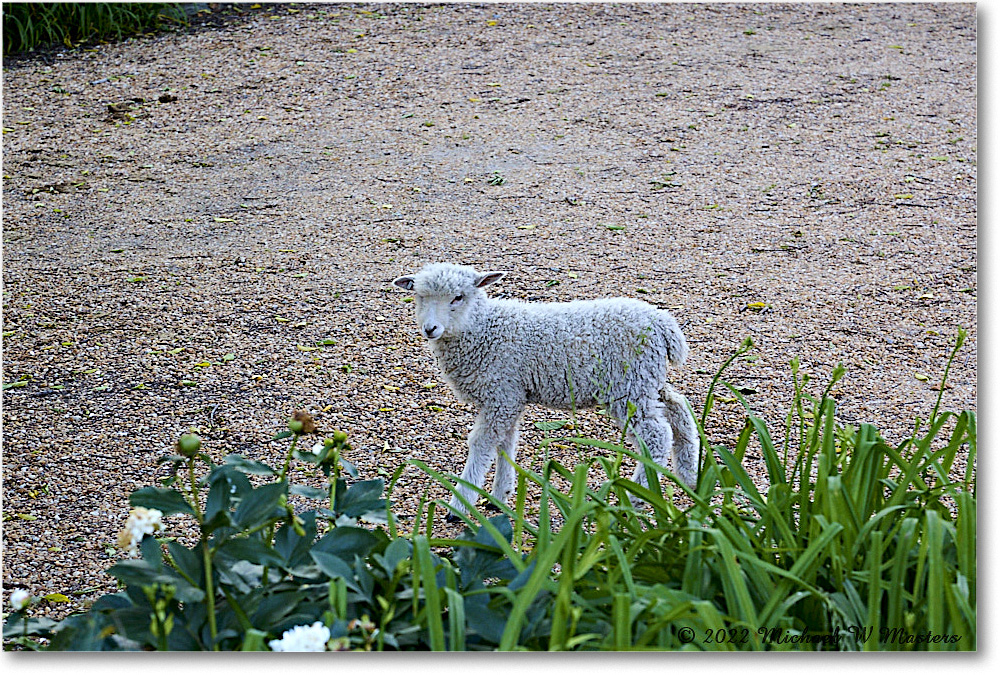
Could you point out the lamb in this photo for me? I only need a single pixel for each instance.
(500, 355)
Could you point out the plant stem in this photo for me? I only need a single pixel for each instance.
(209, 594)
(281, 477)
(944, 378)
(195, 498)
(744, 347)
(288, 457)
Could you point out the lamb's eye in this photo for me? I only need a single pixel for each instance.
(458, 299)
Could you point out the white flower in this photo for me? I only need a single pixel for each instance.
(19, 599)
(302, 639)
(141, 521)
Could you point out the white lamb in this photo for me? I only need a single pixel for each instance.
(500, 355)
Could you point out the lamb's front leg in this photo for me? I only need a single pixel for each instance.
(505, 476)
(489, 431)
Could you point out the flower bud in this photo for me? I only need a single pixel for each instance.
(295, 426)
(339, 437)
(189, 445)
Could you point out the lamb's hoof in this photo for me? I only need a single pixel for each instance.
(452, 518)
(491, 508)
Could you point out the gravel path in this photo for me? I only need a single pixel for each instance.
(801, 174)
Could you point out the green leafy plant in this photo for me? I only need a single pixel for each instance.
(855, 544)
(27, 25)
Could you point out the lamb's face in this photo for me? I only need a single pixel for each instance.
(443, 314)
(445, 296)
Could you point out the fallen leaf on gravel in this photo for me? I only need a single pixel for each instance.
(921, 377)
(306, 349)
(223, 220)
(63, 188)
(56, 597)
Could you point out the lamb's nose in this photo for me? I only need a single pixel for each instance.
(431, 330)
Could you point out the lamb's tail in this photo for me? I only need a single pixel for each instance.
(684, 454)
(677, 346)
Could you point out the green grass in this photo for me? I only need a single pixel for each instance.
(27, 25)
(853, 544)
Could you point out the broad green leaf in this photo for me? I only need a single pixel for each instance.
(165, 500)
(260, 505)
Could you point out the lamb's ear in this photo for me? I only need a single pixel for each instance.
(406, 283)
(489, 278)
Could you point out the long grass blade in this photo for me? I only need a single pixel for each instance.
(544, 559)
(432, 595)
(456, 620)
(936, 579)
(874, 591)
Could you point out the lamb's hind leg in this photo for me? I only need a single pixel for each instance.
(649, 424)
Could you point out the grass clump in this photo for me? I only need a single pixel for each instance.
(27, 25)
(855, 544)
